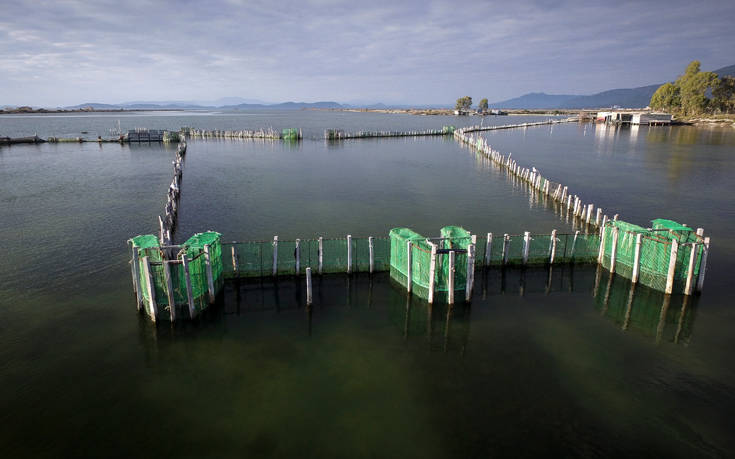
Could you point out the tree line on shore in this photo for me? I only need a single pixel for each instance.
(696, 93)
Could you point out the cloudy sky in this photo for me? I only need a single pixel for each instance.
(59, 52)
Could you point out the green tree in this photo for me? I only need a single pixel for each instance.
(667, 97)
(693, 87)
(482, 106)
(464, 103)
(723, 94)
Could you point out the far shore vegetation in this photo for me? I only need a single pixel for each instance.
(696, 94)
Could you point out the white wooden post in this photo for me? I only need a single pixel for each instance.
(235, 264)
(672, 266)
(372, 256)
(297, 254)
(552, 247)
(506, 244)
(349, 253)
(637, 258)
(614, 249)
(275, 255)
(601, 252)
(409, 262)
(136, 275)
(598, 217)
(488, 249)
(574, 244)
(690, 269)
(450, 286)
(308, 286)
(589, 212)
(321, 253)
(152, 306)
(703, 264)
(470, 272)
(210, 278)
(169, 290)
(187, 278)
(432, 272)
(526, 246)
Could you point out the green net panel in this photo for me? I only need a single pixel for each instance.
(290, 134)
(656, 246)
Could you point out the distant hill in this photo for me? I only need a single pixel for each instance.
(625, 98)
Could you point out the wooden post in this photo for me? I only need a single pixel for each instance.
(601, 253)
(297, 255)
(275, 256)
(615, 217)
(321, 254)
(136, 274)
(470, 277)
(614, 249)
(552, 247)
(235, 265)
(450, 287)
(703, 264)
(598, 217)
(432, 272)
(372, 256)
(574, 244)
(152, 306)
(488, 249)
(637, 259)
(526, 246)
(409, 262)
(187, 278)
(349, 253)
(506, 244)
(569, 202)
(589, 212)
(169, 290)
(210, 278)
(308, 286)
(672, 266)
(690, 270)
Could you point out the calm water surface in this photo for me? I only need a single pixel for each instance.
(565, 362)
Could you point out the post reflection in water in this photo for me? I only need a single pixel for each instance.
(268, 303)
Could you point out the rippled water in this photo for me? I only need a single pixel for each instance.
(565, 362)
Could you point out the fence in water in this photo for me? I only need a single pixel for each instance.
(270, 133)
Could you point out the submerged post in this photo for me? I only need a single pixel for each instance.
(235, 265)
(637, 259)
(275, 255)
(210, 278)
(308, 286)
(432, 272)
(526, 246)
(187, 279)
(297, 255)
(450, 286)
(152, 307)
(703, 264)
(321, 253)
(690, 270)
(614, 249)
(409, 262)
(169, 290)
(488, 249)
(372, 256)
(470, 272)
(349, 253)
(672, 266)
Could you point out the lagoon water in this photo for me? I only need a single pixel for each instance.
(545, 363)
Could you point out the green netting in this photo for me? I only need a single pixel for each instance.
(448, 130)
(453, 237)
(656, 246)
(290, 134)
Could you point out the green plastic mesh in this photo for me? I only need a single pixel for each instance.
(656, 246)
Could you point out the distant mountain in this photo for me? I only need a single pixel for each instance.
(282, 106)
(625, 98)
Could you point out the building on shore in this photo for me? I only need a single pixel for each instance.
(634, 117)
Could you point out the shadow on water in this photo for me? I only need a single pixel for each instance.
(440, 327)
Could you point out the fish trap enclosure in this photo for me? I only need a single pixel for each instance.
(669, 257)
(174, 280)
